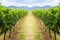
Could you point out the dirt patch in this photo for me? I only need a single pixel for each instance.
(17, 28)
(43, 33)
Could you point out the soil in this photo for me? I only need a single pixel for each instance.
(43, 34)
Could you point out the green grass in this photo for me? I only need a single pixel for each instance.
(22, 35)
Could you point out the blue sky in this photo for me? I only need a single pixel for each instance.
(29, 3)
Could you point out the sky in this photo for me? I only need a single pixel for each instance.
(29, 3)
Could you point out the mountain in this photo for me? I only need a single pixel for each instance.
(30, 8)
(24, 7)
(35, 7)
(47, 6)
(13, 7)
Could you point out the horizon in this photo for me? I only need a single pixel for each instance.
(29, 3)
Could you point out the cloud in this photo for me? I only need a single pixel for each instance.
(30, 4)
(30, 1)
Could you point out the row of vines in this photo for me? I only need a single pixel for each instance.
(8, 18)
(51, 18)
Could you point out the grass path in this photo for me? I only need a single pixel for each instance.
(29, 30)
